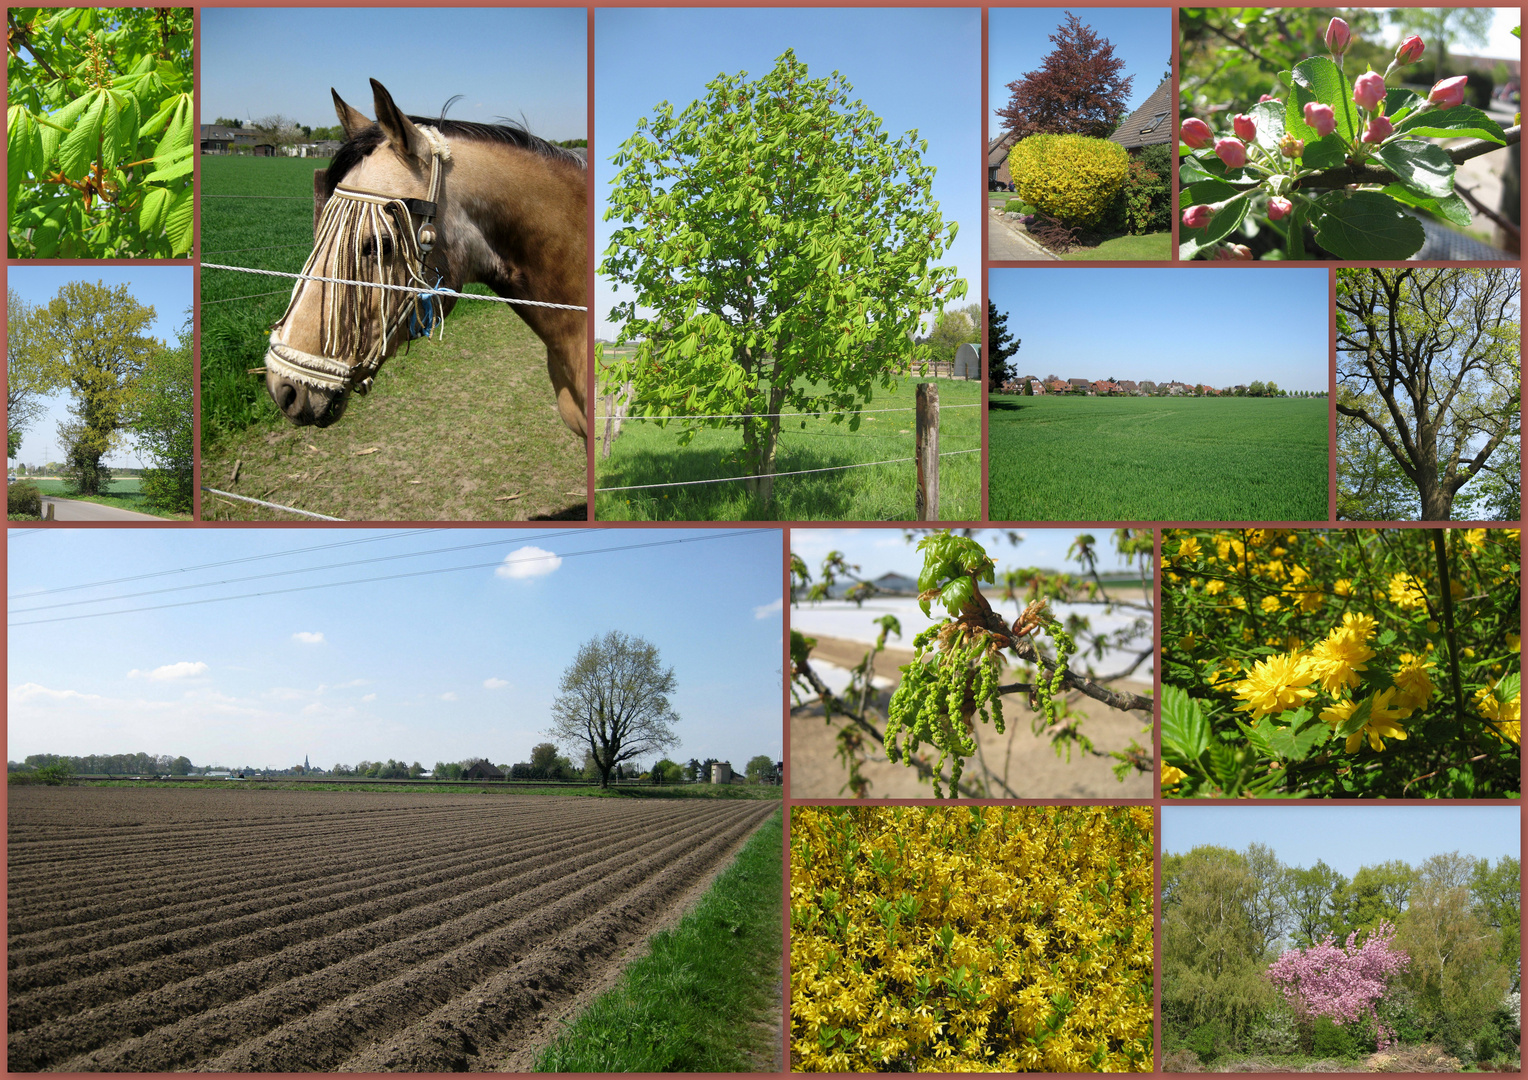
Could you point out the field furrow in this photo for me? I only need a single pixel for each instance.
(411, 938)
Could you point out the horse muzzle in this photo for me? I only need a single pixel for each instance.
(304, 401)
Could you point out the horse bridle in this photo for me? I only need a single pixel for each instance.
(349, 216)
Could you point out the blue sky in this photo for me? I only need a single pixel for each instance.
(1018, 41)
(166, 289)
(528, 65)
(877, 551)
(1346, 837)
(1166, 324)
(433, 668)
(914, 68)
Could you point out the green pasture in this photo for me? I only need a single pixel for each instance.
(1062, 458)
(461, 427)
(648, 452)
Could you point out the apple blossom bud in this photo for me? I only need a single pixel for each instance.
(1232, 152)
(1449, 92)
(1279, 208)
(1244, 127)
(1197, 217)
(1380, 128)
(1291, 147)
(1410, 50)
(1195, 133)
(1369, 91)
(1233, 253)
(1338, 36)
(1269, 97)
(1320, 117)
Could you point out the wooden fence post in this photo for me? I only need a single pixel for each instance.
(926, 449)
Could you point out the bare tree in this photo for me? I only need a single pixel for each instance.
(1429, 363)
(614, 699)
(277, 129)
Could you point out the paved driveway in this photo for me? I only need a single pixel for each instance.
(75, 510)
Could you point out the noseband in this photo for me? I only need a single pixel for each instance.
(352, 220)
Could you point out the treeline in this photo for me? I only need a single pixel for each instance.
(1226, 915)
(107, 764)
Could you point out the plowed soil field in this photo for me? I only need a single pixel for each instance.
(240, 931)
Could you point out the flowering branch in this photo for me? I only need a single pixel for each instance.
(1373, 174)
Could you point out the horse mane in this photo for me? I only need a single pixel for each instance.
(358, 146)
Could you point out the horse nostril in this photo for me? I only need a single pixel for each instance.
(286, 395)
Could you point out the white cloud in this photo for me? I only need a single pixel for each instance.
(186, 669)
(494, 684)
(309, 637)
(528, 562)
(369, 697)
(448, 696)
(764, 611)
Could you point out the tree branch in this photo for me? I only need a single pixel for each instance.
(1115, 699)
(1375, 174)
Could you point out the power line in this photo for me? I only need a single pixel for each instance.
(716, 535)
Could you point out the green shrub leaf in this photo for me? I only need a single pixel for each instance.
(1185, 731)
(1362, 225)
(1423, 167)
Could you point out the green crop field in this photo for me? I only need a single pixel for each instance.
(1157, 459)
(646, 453)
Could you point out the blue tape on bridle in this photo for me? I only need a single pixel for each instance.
(429, 304)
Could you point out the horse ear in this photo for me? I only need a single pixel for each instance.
(401, 133)
(350, 120)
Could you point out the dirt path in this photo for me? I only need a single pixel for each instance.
(1028, 762)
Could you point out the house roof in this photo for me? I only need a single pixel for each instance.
(1150, 124)
(997, 149)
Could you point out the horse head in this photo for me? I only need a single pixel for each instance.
(379, 224)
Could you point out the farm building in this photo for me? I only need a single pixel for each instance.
(482, 771)
(968, 362)
(721, 772)
(1150, 124)
(220, 139)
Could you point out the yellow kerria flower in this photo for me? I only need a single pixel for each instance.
(1515, 643)
(1362, 625)
(1476, 538)
(1413, 682)
(1281, 682)
(1382, 721)
(1269, 603)
(1308, 597)
(1214, 588)
(1337, 660)
(1239, 603)
(1188, 548)
(1406, 591)
(1343, 587)
(1506, 716)
(1171, 775)
(1188, 641)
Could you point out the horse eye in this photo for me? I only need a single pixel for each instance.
(369, 248)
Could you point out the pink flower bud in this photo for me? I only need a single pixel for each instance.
(1410, 50)
(1268, 97)
(1380, 128)
(1338, 37)
(1195, 133)
(1197, 217)
(1369, 91)
(1279, 207)
(1233, 253)
(1232, 152)
(1244, 127)
(1449, 92)
(1291, 147)
(1321, 117)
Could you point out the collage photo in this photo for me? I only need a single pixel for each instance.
(1098, 430)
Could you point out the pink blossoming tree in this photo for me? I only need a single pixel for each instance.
(1342, 983)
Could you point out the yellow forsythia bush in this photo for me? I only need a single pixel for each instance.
(1072, 178)
(971, 939)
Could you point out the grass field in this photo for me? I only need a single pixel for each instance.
(1157, 246)
(461, 428)
(646, 453)
(123, 494)
(1157, 459)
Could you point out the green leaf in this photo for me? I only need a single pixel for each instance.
(180, 221)
(48, 232)
(1319, 80)
(957, 594)
(1295, 232)
(111, 134)
(1366, 225)
(178, 164)
(84, 139)
(63, 122)
(1213, 190)
(177, 135)
(1453, 208)
(1459, 122)
(23, 149)
(1294, 742)
(1221, 225)
(1509, 687)
(1399, 102)
(1327, 153)
(1424, 167)
(1185, 731)
(1269, 118)
(1191, 170)
(151, 215)
(1355, 723)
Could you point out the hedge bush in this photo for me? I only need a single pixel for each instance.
(1072, 178)
(23, 500)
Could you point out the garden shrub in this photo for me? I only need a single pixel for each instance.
(1333, 1040)
(1209, 1040)
(1070, 177)
(1274, 1033)
(23, 500)
(1488, 1043)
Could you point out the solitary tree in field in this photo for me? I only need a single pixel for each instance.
(614, 700)
(1080, 88)
(1429, 369)
(781, 249)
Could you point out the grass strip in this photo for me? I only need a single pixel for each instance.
(706, 997)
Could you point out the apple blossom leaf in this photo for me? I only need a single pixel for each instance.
(1269, 118)
(1295, 234)
(1185, 731)
(1362, 225)
(1423, 167)
(1221, 225)
(1327, 153)
(1453, 208)
(1459, 122)
(1399, 102)
(1318, 80)
(1213, 190)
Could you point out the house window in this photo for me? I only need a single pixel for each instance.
(1156, 122)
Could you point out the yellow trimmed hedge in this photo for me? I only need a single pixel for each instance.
(971, 939)
(1072, 178)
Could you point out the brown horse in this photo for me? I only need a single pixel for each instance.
(423, 203)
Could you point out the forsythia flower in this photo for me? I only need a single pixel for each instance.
(1406, 592)
(1281, 682)
(1338, 659)
(1413, 682)
(1239, 603)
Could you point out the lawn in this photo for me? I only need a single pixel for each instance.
(1152, 246)
(1157, 459)
(122, 493)
(647, 453)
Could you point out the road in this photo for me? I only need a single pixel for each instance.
(1007, 244)
(75, 510)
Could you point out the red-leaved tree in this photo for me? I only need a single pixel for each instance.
(1342, 983)
(1080, 88)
